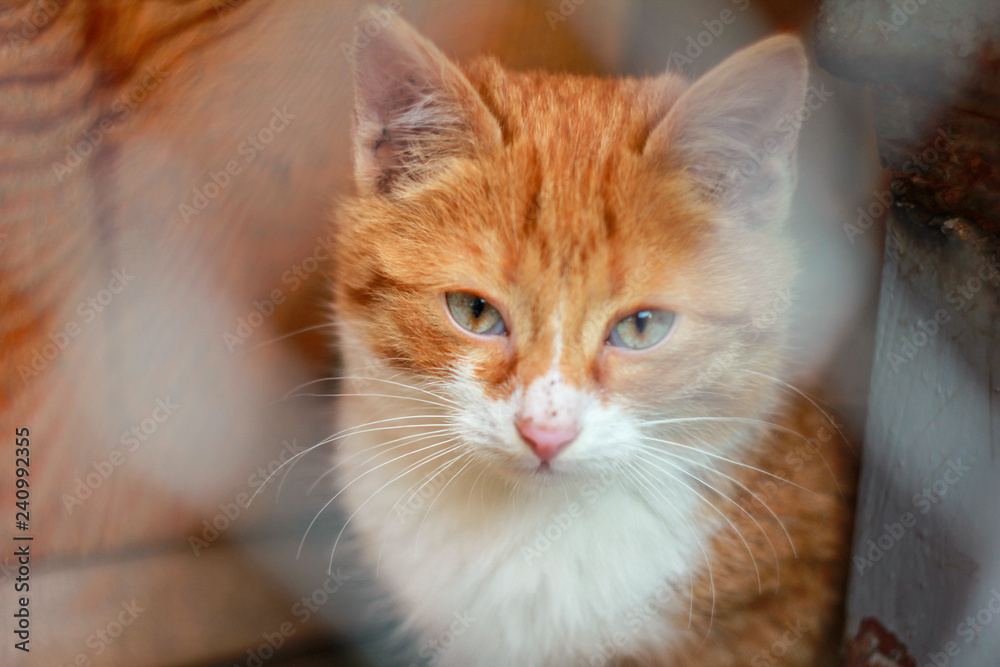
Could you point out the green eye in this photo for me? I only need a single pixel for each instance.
(475, 314)
(641, 330)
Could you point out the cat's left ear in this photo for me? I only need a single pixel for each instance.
(733, 131)
(414, 109)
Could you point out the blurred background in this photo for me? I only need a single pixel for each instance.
(167, 172)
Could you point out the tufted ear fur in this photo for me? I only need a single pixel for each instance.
(733, 130)
(414, 109)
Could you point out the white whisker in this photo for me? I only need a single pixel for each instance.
(368, 500)
(427, 478)
(753, 559)
(440, 493)
(315, 327)
(405, 441)
(660, 453)
(806, 396)
(761, 422)
(728, 460)
(701, 546)
(349, 484)
(340, 434)
(365, 378)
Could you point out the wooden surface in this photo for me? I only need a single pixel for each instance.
(927, 537)
(160, 607)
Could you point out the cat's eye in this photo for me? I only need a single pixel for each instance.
(641, 330)
(475, 314)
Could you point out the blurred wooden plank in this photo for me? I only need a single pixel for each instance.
(163, 608)
(83, 377)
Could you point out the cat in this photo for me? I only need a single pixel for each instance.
(566, 437)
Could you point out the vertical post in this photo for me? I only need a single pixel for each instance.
(925, 572)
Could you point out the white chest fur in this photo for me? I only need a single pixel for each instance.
(489, 575)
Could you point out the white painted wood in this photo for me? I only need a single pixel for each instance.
(926, 558)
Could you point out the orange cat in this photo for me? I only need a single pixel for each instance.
(568, 439)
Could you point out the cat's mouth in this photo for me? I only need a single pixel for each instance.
(554, 471)
(542, 471)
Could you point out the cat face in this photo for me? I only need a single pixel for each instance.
(573, 266)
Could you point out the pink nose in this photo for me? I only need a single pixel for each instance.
(546, 442)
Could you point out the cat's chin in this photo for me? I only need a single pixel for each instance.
(543, 477)
(545, 472)
(556, 473)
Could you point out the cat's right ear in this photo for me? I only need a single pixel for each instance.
(414, 109)
(732, 131)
